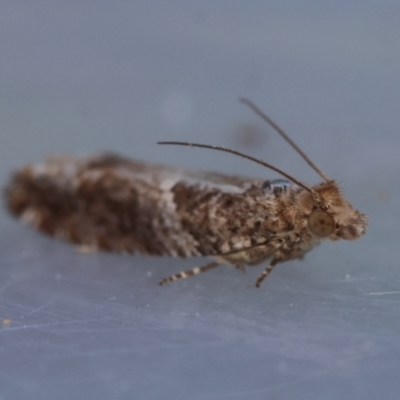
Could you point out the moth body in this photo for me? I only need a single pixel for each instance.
(116, 204)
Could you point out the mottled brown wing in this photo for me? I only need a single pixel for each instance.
(116, 204)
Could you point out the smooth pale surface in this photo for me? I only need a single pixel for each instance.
(79, 77)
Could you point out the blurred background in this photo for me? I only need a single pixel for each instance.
(84, 77)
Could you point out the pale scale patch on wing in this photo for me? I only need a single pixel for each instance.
(57, 167)
(178, 238)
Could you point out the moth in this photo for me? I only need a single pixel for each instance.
(109, 202)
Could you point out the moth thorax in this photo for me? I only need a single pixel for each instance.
(321, 223)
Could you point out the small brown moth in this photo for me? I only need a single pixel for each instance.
(112, 203)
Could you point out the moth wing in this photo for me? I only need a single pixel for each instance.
(117, 204)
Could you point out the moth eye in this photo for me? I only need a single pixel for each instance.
(320, 223)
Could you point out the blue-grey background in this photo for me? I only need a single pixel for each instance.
(81, 77)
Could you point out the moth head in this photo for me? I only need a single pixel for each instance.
(330, 215)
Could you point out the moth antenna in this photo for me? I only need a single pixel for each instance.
(238, 153)
(284, 135)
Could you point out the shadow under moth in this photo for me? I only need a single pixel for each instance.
(108, 202)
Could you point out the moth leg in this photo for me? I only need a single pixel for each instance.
(190, 272)
(266, 272)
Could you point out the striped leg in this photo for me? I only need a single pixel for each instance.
(190, 272)
(266, 272)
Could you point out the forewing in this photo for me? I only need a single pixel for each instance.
(117, 204)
